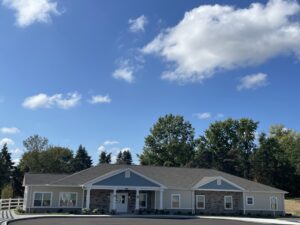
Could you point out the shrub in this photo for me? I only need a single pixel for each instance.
(7, 192)
(85, 211)
(96, 211)
(19, 210)
(113, 212)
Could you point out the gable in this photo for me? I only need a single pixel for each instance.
(222, 185)
(126, 179)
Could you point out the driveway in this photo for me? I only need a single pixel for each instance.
(126, 221)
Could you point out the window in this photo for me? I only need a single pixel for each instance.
(42, 199)
(175, 201)
(143, 200)
(67, 199)
(228, 202)
(200, 201)
(250, 200)
(274, 203)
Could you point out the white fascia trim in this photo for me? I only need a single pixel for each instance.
(113, 173)
(133, 188)
(210, 179)
(220, 190)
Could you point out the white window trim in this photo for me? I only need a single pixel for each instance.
(179, 204)
(276, 198)
(197, 201)
(42, 192)
(66, 192)
(228, 196)
(252, 200)
(142, 207)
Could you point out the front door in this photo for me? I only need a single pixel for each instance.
(122, 202)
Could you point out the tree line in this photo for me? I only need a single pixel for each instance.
(233, 146)
(41, 157)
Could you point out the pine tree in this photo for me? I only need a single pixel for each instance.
(104, 158)
(6, 166)
(119, 158)
(81, 160)
(124, 157)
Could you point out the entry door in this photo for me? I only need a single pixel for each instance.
(122, 202)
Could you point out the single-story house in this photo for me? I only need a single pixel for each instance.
(131, 188)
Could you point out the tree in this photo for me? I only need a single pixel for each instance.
(36, 143)
(56, 160)
(7, 192)
(105, 158)
(17, 182)
(271, 166)
(124, 157)
(6, 166)
(81, 160)
(227, 146)
(170, 143)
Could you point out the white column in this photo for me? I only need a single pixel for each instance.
(161, 206)
(114, 199)
(88, 197)
(193, 202)
(244, 204)
(137, 199)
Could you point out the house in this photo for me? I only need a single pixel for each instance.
(127, 189)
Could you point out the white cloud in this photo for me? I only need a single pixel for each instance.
(138, 24)
(9, 130)
(7, 141)
(16, 161)
(101, 149)
(253, 81)
(124, 73)
(203, 116)
(100, 99)
(44, 101)
(31, 11)
(211, 38)
(110, 142)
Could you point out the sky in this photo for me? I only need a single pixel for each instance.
(100, 73)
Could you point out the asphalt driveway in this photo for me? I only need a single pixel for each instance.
(126, 221)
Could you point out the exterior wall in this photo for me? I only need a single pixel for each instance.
(214, 202)
(55, 198)
(222, 186)
(262, 203)
(185, 199)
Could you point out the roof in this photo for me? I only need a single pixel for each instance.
(171, 177)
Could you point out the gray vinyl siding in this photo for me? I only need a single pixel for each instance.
(55, 195)
(223, 186)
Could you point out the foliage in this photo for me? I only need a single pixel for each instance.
(227, 146)
(6, 166)
(36, 143)
(7, 191)
(85, 211)
(19, 210)
(170, 143)
(17, 181)
(124, 157)
(104, 158)
(81, 160)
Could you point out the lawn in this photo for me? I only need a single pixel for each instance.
(292, 206)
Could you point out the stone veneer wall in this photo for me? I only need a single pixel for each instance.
(214, 202)
(100, 199)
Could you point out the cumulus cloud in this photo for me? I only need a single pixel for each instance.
(7, 141)
(101, 148)
(44, 101)
(110, 142)
(203, 116)
(138, 24)
(31, 11)
(100, 99)
(214, 38)
(124, 72)
(253, 81)
(9, 130)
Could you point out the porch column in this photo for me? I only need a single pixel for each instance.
(114, 199)
(193, 202)
(161, 206)
(88, 197)
(137, 199)
(244, 204)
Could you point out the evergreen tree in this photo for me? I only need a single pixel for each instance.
(127, 158)
(81, 160)
(120, 158)
(17, 182)
(6, 166)
(104, 158)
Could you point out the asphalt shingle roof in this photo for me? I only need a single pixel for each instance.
(171, 177)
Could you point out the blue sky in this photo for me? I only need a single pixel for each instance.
(100, 73)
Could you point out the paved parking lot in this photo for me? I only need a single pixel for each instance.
(126, 221)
